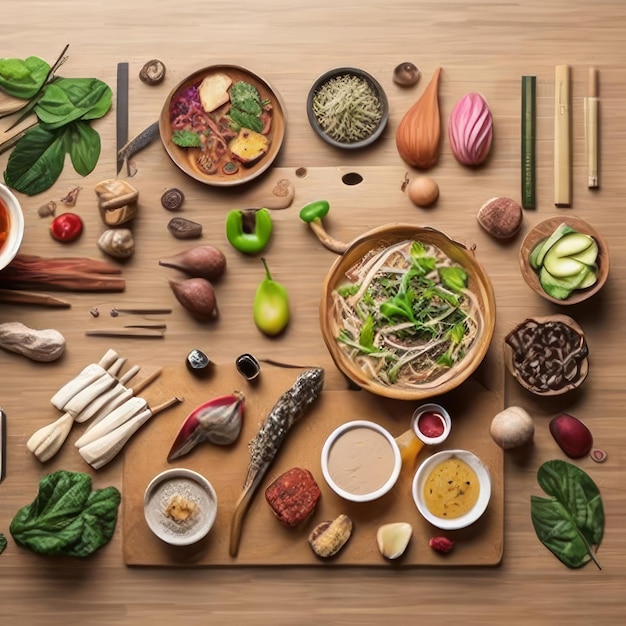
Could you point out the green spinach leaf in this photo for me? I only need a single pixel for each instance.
(67, 517)
(3, 543)
(186, 139)
(69, 99)
(36, 161)
(83, 144)
(23, 78)
(571, 522)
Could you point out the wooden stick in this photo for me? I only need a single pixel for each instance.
(126, 332)
(12, 296)
(562, 137)
(529, 88)
(591, 130)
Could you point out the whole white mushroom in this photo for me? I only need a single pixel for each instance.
(512, 427)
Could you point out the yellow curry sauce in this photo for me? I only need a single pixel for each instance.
(451, 489)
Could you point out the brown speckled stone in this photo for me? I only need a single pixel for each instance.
(501, 217)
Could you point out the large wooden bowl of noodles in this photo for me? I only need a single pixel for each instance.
(478, 284)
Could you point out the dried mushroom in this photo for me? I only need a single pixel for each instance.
(153, 72)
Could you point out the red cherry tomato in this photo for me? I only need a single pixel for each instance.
(66, 227)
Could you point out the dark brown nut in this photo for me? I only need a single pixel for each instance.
(153, 72)
(501, 217)
(172, 199)
(293, 496)
(182, 228)
(328, 537)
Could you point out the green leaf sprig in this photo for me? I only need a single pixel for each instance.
(64, 108)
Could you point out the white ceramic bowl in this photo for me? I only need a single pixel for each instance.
(193, 487)
(484, 495)
(357, 470)
(15, 232)
(446, 423)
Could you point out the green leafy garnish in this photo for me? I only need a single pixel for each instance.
(246, 107)
(3, 543)
(454, 278)
(64, 108)
(571, 522)
(186, 139)
(23, 78)
(67, 517)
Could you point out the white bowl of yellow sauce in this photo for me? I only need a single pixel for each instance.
(452, 489)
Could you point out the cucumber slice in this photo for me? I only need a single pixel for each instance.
(590, 280)
(562, 267)
(534, 254)
(561, 288)
(572, 244)
(588, 256)
(560, 231)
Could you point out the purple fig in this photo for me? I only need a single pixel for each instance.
(573, 437)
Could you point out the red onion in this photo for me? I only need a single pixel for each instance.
(470, 130)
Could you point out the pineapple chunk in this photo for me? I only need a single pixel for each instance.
(249, 146)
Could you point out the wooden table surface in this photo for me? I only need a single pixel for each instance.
(483, 46)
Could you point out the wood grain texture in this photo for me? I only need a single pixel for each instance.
(482, 46)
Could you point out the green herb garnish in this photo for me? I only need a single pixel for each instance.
(186, 139)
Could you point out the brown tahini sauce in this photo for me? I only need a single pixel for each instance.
(361, 460)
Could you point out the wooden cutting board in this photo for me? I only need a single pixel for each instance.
(265, 541)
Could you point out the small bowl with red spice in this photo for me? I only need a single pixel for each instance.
(431, 424)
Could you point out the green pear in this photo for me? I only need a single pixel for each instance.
(271, 305)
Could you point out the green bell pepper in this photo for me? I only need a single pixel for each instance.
(249, 230)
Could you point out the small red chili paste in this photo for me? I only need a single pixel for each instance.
(431, 424)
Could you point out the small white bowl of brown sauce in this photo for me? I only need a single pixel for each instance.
(452, 489)
(361, 461)
(11, 226)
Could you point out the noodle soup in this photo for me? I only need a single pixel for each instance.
(405, 315)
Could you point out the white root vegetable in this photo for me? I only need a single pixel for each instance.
(47, 441)
(85, 377)
(104, 449)
(90, 393)
(113, 420)
(38, 345)
(512, 427)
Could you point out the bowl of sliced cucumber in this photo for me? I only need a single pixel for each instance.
(564, 259)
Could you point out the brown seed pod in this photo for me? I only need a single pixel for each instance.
(197, 296)
(153, 72)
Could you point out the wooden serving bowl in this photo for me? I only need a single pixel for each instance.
(186, 158)
(544, 229)
(479, 284)
(514, 369)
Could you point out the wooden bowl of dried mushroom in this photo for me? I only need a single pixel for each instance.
(547, 356)
(223, 125)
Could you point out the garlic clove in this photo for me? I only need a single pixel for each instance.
(393, 539)
(117, 242)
